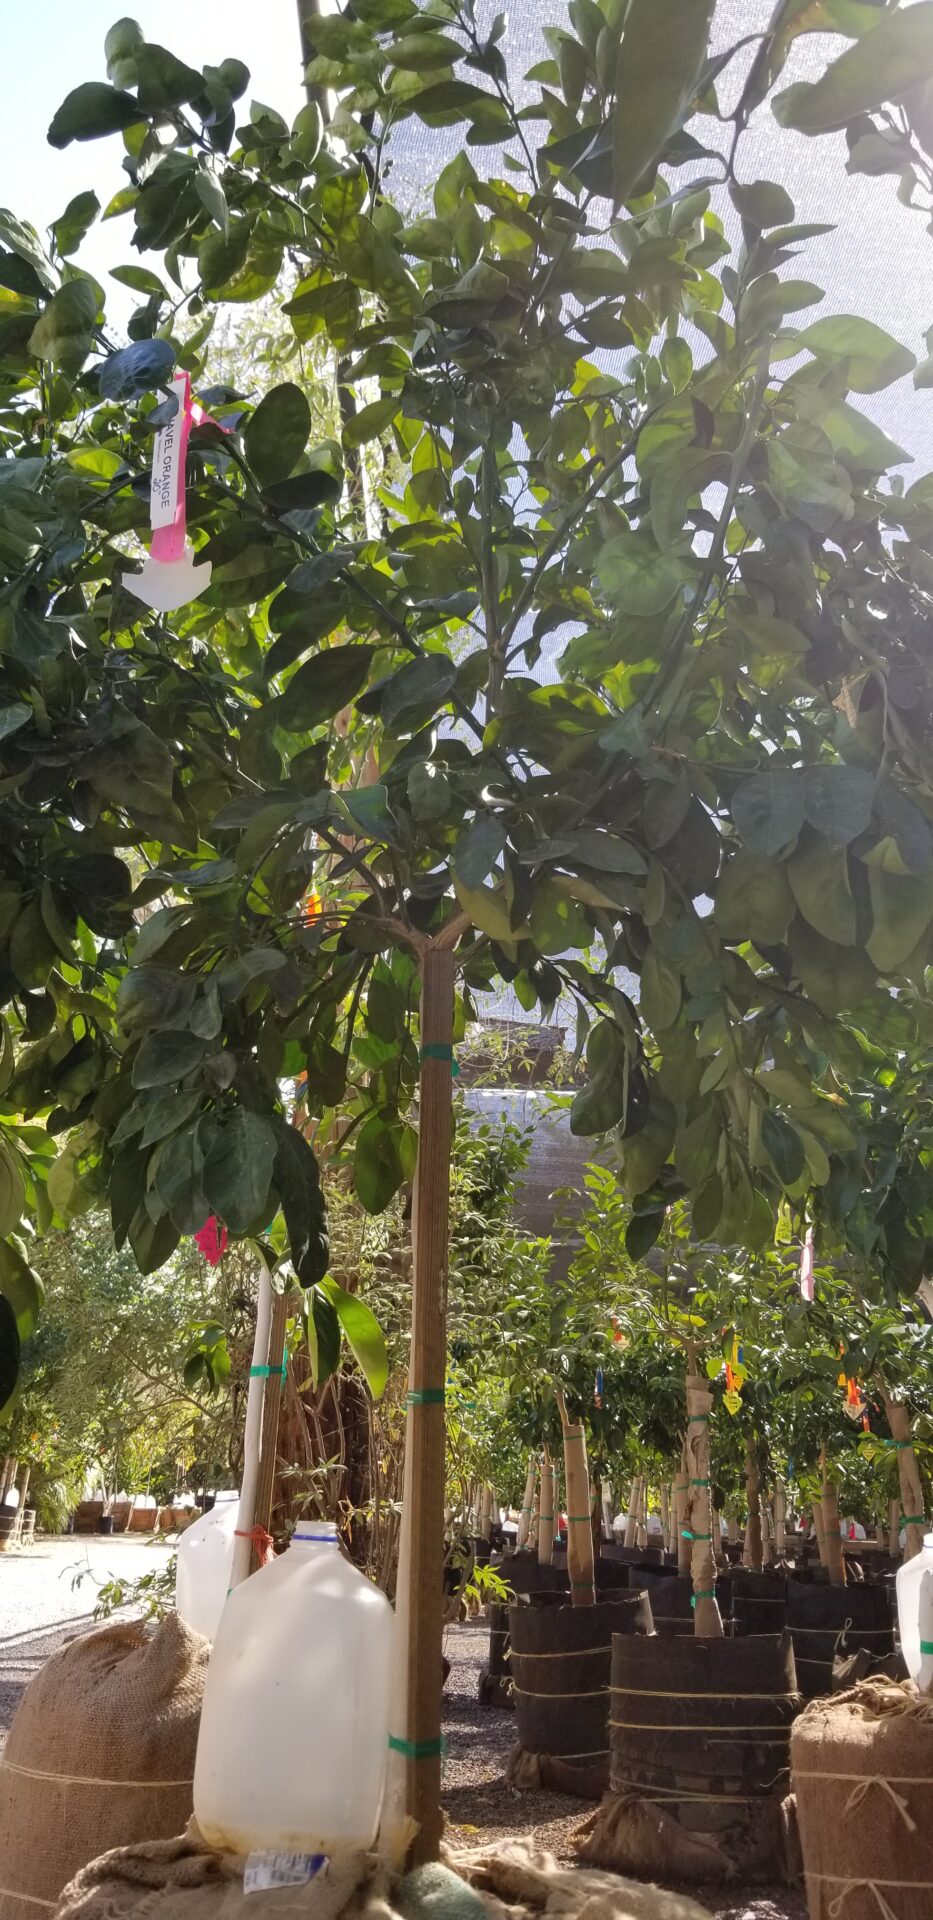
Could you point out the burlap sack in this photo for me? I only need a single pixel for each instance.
(514, 1880)
(100, 1754)
(862, 1772)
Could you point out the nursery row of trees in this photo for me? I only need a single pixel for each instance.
(294, 830)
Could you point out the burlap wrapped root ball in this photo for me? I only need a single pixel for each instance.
(100, 1755)
(862, 1774)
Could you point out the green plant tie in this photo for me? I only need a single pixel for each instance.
(263, 1373)
(705, 1593)
(585, 1586)
(697, 1416)
(898, 1445)
(418, 1749)
(426, 1397)
(579, 1519)
(913, 1519)
(699, 1483)
(687, 1535)
(926, 1646)
(440, 1050)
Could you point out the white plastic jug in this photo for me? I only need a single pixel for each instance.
(294, 1732)
(909, 1577)
(205, 1557)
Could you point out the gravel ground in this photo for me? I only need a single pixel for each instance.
(480, 1805)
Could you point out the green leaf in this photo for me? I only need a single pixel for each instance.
(884, 65)
(13, 717)
(753, 900)
(72, 225)
(65, 332)
(12, 1190)
(368, 422)
(297, 1180)
(166, 1057)
(902, 908)
(478, 850)
(783, 1146)
(838, 801)
(601, 1104)
(377, 1165)
(660, 64)
(819, 878)
(322, 687)
(323, 1329)
(768, 810)
(420, 52)
(9, 1353)
(92, 110)
(153, 1241)
(643, 1232)
(868, 357)
(763, 203)
(178, 1177)
(363, 1336)
(277, 433)
(660, 991)
(22, 1288)
(238, 1170)
(635, 575)
(707, 1209)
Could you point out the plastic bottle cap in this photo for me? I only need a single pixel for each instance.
(315, 1530)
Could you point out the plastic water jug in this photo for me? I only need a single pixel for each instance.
(205, 1557)
(294, 1732)
(908, 1583)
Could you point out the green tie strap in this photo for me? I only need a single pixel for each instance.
(926, 1646)
(426, 1397)
(913, 1519)
(418, 1749)
(704, 1593)
(263, 1373)
(440, 1050)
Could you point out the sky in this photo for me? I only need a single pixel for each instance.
(877, 262)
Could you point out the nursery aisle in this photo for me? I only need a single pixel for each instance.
(481, 1805)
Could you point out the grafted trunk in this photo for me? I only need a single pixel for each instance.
(835, 1560)
(581, 1566)
(546, 1512)
(732, 1521)
(780, 1518)
(908, 1473)
(524, 1518)
(752, 1554)
(682, 1487)
(707, 1618)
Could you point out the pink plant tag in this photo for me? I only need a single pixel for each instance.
(170, 577)
(212, 1240)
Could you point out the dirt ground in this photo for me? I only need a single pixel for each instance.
(480, 1804)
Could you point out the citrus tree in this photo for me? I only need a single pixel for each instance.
(733, 600)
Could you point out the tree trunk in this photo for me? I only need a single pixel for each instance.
(665, 1516)
(752, 1554)
(835, 1560)
(733, 1534)
(524, 1518)
(911, 1487)
(546, 1512)
(780, 1519)
(699, 1507)
(631, 1518)
(641, 1531)
(271, 1405)
(767, 1538)
(10, 1465)
(416, 1719)
(820, 1533)
(581, 1566)
(681, 1490)
(716, 1531)
(252, 1434)
(894, 1529)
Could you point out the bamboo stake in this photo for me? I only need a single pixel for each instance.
(835, 1561)
(415, 1778)
(641, 1535)
(524, 1518)
(581, 1566)
(252, 1435)
(631, 1518)
(752, 1554)
(271, 1404)
(910, 1483)
(605, 1492)
(666, 1516)
(820, 1533)
(546, 1512)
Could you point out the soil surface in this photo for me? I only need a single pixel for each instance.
(480, 1805)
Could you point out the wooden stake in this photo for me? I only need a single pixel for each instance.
(752, 1554)
(681, 1488)
(546, 1512)
(894, 1529)
(835, 1560)
(820, 1533)
(524, 1518)
(416, 1722)
(581, 1566)
(252, 1435)
(780, 1518)
(666, 1516)
(631, 1518)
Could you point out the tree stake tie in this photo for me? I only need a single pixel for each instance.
(419, 1749)
(262, 1541)
(440, 1050)
(170, 577)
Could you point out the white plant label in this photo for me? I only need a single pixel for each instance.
(166, 462)
(267, 1868)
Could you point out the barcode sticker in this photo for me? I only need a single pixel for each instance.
(270, 1869)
